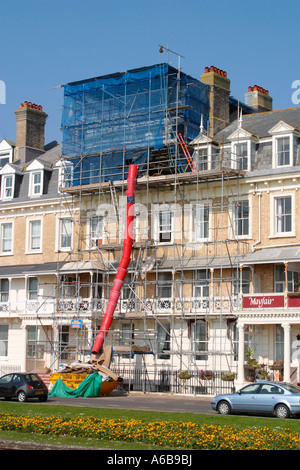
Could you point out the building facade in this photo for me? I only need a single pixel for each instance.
(214, 275)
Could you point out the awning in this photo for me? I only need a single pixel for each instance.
(81, 266)
(28, 269)
(286, 254)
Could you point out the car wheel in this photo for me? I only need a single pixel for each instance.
(282, 411)
(22, 396)
(224, 408)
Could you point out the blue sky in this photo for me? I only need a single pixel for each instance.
(47, 43)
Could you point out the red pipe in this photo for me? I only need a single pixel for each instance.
(122, 270)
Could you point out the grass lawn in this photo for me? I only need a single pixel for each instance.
(68, 412)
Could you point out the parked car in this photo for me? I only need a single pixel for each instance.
(274, 398)
(22, 387)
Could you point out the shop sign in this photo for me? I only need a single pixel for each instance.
(76, 323)
(263, 301)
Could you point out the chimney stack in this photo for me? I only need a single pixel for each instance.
(219, 91)
(259, 98)
(30, 133)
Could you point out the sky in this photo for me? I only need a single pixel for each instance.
(47, 43)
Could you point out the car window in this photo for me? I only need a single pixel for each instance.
(291, 388)
(253, 388)
(6, 378)
(32, 378)
(17, 379)
(269, 388)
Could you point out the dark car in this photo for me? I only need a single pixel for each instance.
(22, 387)
(274, 398)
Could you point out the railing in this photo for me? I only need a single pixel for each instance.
(165, 380)
(167, 305)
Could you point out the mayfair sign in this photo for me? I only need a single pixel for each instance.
(263, 301)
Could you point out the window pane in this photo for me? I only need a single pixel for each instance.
(202, 221)
(242, 156)
(201, 286)
(283, 151)
(33, 288)
(6, 238)
(165, 226)
(4, 290)
(163, 340)
(164, 285)
(242, 218)
(3, 340)
(35, 235)
(65, 233)
(284, 214)
(199, 339)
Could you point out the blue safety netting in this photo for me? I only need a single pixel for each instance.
(112, 120)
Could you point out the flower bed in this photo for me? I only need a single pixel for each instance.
(172, 434)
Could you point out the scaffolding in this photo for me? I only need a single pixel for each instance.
(184, 277)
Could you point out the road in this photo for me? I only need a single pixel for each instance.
(140, 401)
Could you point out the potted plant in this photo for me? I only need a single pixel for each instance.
(228, 376)
(277, 365)
(184, 375)
(262, 372)
(206, 375)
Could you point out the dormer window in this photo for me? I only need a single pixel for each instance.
(36, 171)
(65, 175)
(242, 148)
(9, 175)
(4, 158)
(206, 152)
(7, 187)
(283, 151)
(241, 151)
(6, 152)
(36, 185)
(283, 144)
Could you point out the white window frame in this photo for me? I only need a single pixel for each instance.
(210, 151)
(232, 222)
(4, 294)
(29, 291)
(237, 158)
(59, 246)
(200, 220)
(10, 252)
(273, 215)
(65, 174)
(5, 187)
(95, 239)
(281, 134)
(4, 340)
(33, 185)
(157, 230)
(201, 283)
(29, 246)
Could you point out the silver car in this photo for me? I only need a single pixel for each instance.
(279, 399)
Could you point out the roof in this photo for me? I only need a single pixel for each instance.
(34, 269)
(284, 254)
(260, 123)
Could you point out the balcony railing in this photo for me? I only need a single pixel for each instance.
(168, 305)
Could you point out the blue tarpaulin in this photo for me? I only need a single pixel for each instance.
(107, 117)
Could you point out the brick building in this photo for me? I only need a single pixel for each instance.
(215, 264)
